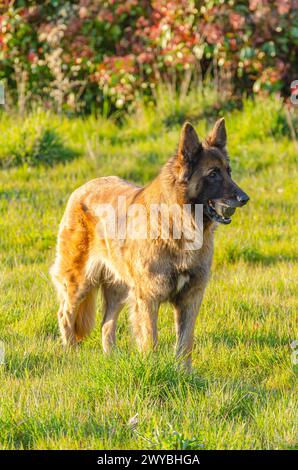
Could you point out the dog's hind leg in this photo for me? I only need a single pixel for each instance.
(66, 321)
(114, 296)
(66, 316)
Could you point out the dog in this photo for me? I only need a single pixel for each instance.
(144, 271)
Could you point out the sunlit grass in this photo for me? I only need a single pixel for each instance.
(243, 391)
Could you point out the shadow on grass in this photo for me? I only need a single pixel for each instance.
(30, 364)
(210, 112)
(254, 256)
(240, 404)
(50, 149)
(25, 433)
(161, 380)
(232, 339)
(47, 149)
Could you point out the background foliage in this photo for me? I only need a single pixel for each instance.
(163, 62)
(92, 54)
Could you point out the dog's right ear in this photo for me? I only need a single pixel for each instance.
(189, 144)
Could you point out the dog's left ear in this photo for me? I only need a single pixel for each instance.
(189, 151)
(218, 135)
(189, 144)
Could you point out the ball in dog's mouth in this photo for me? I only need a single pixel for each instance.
(219, 212)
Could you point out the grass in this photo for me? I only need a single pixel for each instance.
(242, 393)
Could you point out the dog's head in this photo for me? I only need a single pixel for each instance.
(204, 170)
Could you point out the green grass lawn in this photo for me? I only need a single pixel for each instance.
(243, 390)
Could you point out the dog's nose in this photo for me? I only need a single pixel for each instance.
(242, 198)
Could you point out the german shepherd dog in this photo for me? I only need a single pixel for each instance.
(144, 272)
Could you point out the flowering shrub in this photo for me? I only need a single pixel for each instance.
(80, 55)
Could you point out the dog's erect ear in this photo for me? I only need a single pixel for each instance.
(218, 135)
(189, 144)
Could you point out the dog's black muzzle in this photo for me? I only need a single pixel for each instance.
(238, 200)
(220, 210)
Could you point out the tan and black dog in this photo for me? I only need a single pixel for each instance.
(147, 271)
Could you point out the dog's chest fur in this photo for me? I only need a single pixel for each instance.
(167, 276)
(182, 280)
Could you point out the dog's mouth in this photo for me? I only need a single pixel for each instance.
(218, 211)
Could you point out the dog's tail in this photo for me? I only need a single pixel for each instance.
(85, 318)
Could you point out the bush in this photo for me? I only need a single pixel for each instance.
(86, 54)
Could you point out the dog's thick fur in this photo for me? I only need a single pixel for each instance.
(145, 272)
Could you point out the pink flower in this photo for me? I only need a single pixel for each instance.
(83, 12)
(106, 15)
(145, 57)
(233, 44)
(213, 33)
(253, 4)
(32, 57)
(236, 20)
(283, 6)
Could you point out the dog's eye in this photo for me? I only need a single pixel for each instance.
(213, 173)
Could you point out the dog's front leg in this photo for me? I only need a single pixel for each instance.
(186, 311)
(144, 322)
